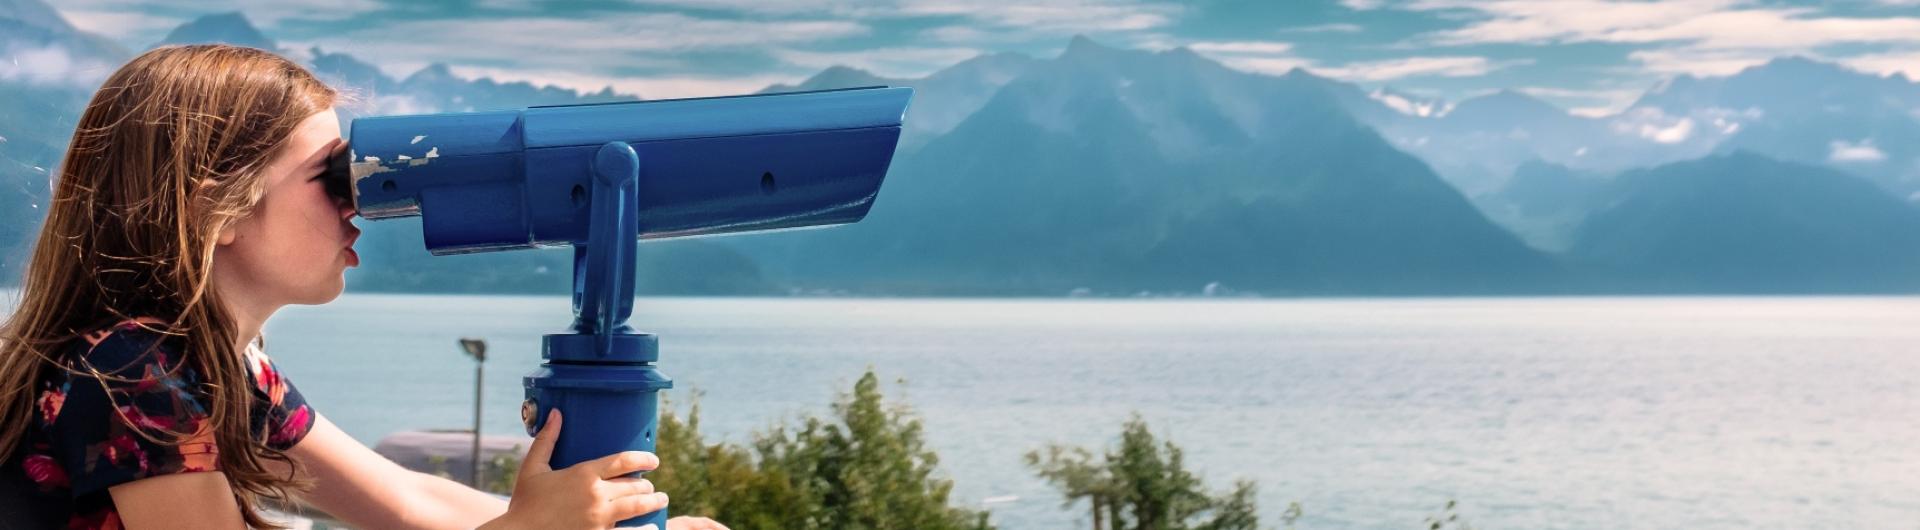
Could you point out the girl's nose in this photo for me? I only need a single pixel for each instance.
(347, 209)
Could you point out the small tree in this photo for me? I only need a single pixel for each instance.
(1144, 485)
(1448, 519)
(721, 480)
(1073, 470)
(865, 468)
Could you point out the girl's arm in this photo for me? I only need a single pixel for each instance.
(184, 501)
(367, 490)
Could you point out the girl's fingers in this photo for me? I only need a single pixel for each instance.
(622, 487)
(632, 506)
(694, 523)
(624, 463)
(542, 450)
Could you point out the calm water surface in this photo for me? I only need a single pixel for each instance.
(1533, 413)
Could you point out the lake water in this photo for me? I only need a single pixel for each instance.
(1372, 413)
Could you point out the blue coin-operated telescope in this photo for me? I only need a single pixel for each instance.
(600, 177)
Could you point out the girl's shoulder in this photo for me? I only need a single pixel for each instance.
(125, 346)
(135, 325)
(136, 366)
(122, 408)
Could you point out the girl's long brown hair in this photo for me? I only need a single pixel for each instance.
(168, 153)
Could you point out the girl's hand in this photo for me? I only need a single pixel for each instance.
(591, 494)
(694, 523)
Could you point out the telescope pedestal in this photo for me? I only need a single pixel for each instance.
(601, 376)
(548, 176)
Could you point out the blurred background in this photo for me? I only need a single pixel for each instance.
(1575, 264)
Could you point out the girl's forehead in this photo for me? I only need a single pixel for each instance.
(315, 138)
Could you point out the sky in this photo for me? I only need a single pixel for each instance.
(1590, 56)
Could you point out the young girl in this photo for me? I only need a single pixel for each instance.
(133, 391)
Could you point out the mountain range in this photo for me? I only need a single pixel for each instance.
(1171, 172)
(1107, 171)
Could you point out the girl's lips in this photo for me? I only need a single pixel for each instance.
(353, 258)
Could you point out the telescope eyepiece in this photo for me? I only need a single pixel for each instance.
(339, 176)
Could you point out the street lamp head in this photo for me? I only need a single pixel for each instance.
(475, 348)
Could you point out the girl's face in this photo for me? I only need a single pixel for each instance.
(298, 242)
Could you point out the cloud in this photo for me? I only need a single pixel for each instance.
(1057, 16)
(969, 34)
(362, 103)
(1907, 62)
(264, 12)
(1652, 124)
(1240, 47)
(1054, 16)
(1362, 5)
(1151, 41)
(1610, 100)
(1711, 24)
(650, 87)
(1775, 29)
(121, 23)
(1700, 37)
(600, 52)
(544, 36)
(1265, 65)
(1862, 151)
(1612, 94)
(1442, 66)
(1699, 62)
(49, 65)
(1257, 56)
(1423, 107)
(1678, 132)
(1370, 71)
(590, 47)
(889, 62)
(138, 24)
(1326, 28)
(1511, 21)
(1275, 58)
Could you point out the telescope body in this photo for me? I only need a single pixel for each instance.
(486, 181)
(601, 177)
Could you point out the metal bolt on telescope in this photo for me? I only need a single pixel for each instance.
(601, 177)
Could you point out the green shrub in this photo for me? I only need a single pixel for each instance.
(1144, 485)
(864, 468)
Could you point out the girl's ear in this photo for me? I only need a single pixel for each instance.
(227, 235)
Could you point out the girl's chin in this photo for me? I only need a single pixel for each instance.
(327, 297)
(327, 292)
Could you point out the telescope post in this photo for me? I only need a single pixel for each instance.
(602, 376)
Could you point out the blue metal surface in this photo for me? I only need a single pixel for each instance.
(680, 119)
(603, 370)
(714, 166)
(603, 268)
(602, 177)
(608, 408)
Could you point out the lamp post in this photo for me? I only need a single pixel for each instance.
(477, 349)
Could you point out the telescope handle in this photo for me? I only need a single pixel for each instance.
(603, 282)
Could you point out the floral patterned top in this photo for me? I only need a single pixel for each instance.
(87, 434)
